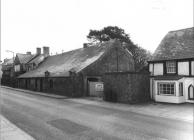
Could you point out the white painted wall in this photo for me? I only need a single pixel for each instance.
(187, 83)
(17, 68)
(192, 67)
(170, 99)
(151, 66)
(158, 69)
(183, 68)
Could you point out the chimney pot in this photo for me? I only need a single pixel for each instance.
(38, 51)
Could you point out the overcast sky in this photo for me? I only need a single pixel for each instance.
(64, 24)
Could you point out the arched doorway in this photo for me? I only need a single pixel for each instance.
(191, 92)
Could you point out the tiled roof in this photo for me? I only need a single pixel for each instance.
(60, 65)
(176, 45)
(24, 58)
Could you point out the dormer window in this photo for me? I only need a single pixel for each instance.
(171, 67)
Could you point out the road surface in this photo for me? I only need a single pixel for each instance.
(47, 118)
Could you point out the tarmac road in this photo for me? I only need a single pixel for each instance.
(47, 118)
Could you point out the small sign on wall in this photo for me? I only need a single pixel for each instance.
(99, 87)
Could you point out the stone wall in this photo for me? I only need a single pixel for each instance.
(67, 86)
(126, 87)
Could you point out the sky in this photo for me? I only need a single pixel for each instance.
(64, 24)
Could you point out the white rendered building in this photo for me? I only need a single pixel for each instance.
(172, 68)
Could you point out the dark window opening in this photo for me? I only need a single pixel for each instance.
(51, 83)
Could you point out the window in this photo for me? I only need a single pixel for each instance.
(181, 89)
(171, 67)
(166, 88)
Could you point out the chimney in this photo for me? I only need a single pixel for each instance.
(29, 53)
(46, 51)
(38, 51)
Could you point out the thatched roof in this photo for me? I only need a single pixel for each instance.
(176, 45)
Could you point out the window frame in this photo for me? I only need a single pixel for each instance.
(163, 83)
(171, 67)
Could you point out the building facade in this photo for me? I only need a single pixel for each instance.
(7, 69)
(172, 68)
(77, 72)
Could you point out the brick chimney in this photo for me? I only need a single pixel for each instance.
(38, 51)
(29, 53)
(46, 51)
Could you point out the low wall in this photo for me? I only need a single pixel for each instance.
(126, 87)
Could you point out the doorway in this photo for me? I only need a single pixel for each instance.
(95, 87)
(41, 85)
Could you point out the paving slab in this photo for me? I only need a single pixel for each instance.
(9, 131)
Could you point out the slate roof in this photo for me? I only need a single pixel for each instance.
(24, 58)
(76, 60)
(38, 59)
(176, 45)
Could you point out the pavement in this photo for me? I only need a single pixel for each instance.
(9, 131)
(36, 93)
(182, 112)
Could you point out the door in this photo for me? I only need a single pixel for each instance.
(96, 89)
(41, 84)
(26, 83)
(191, 92)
